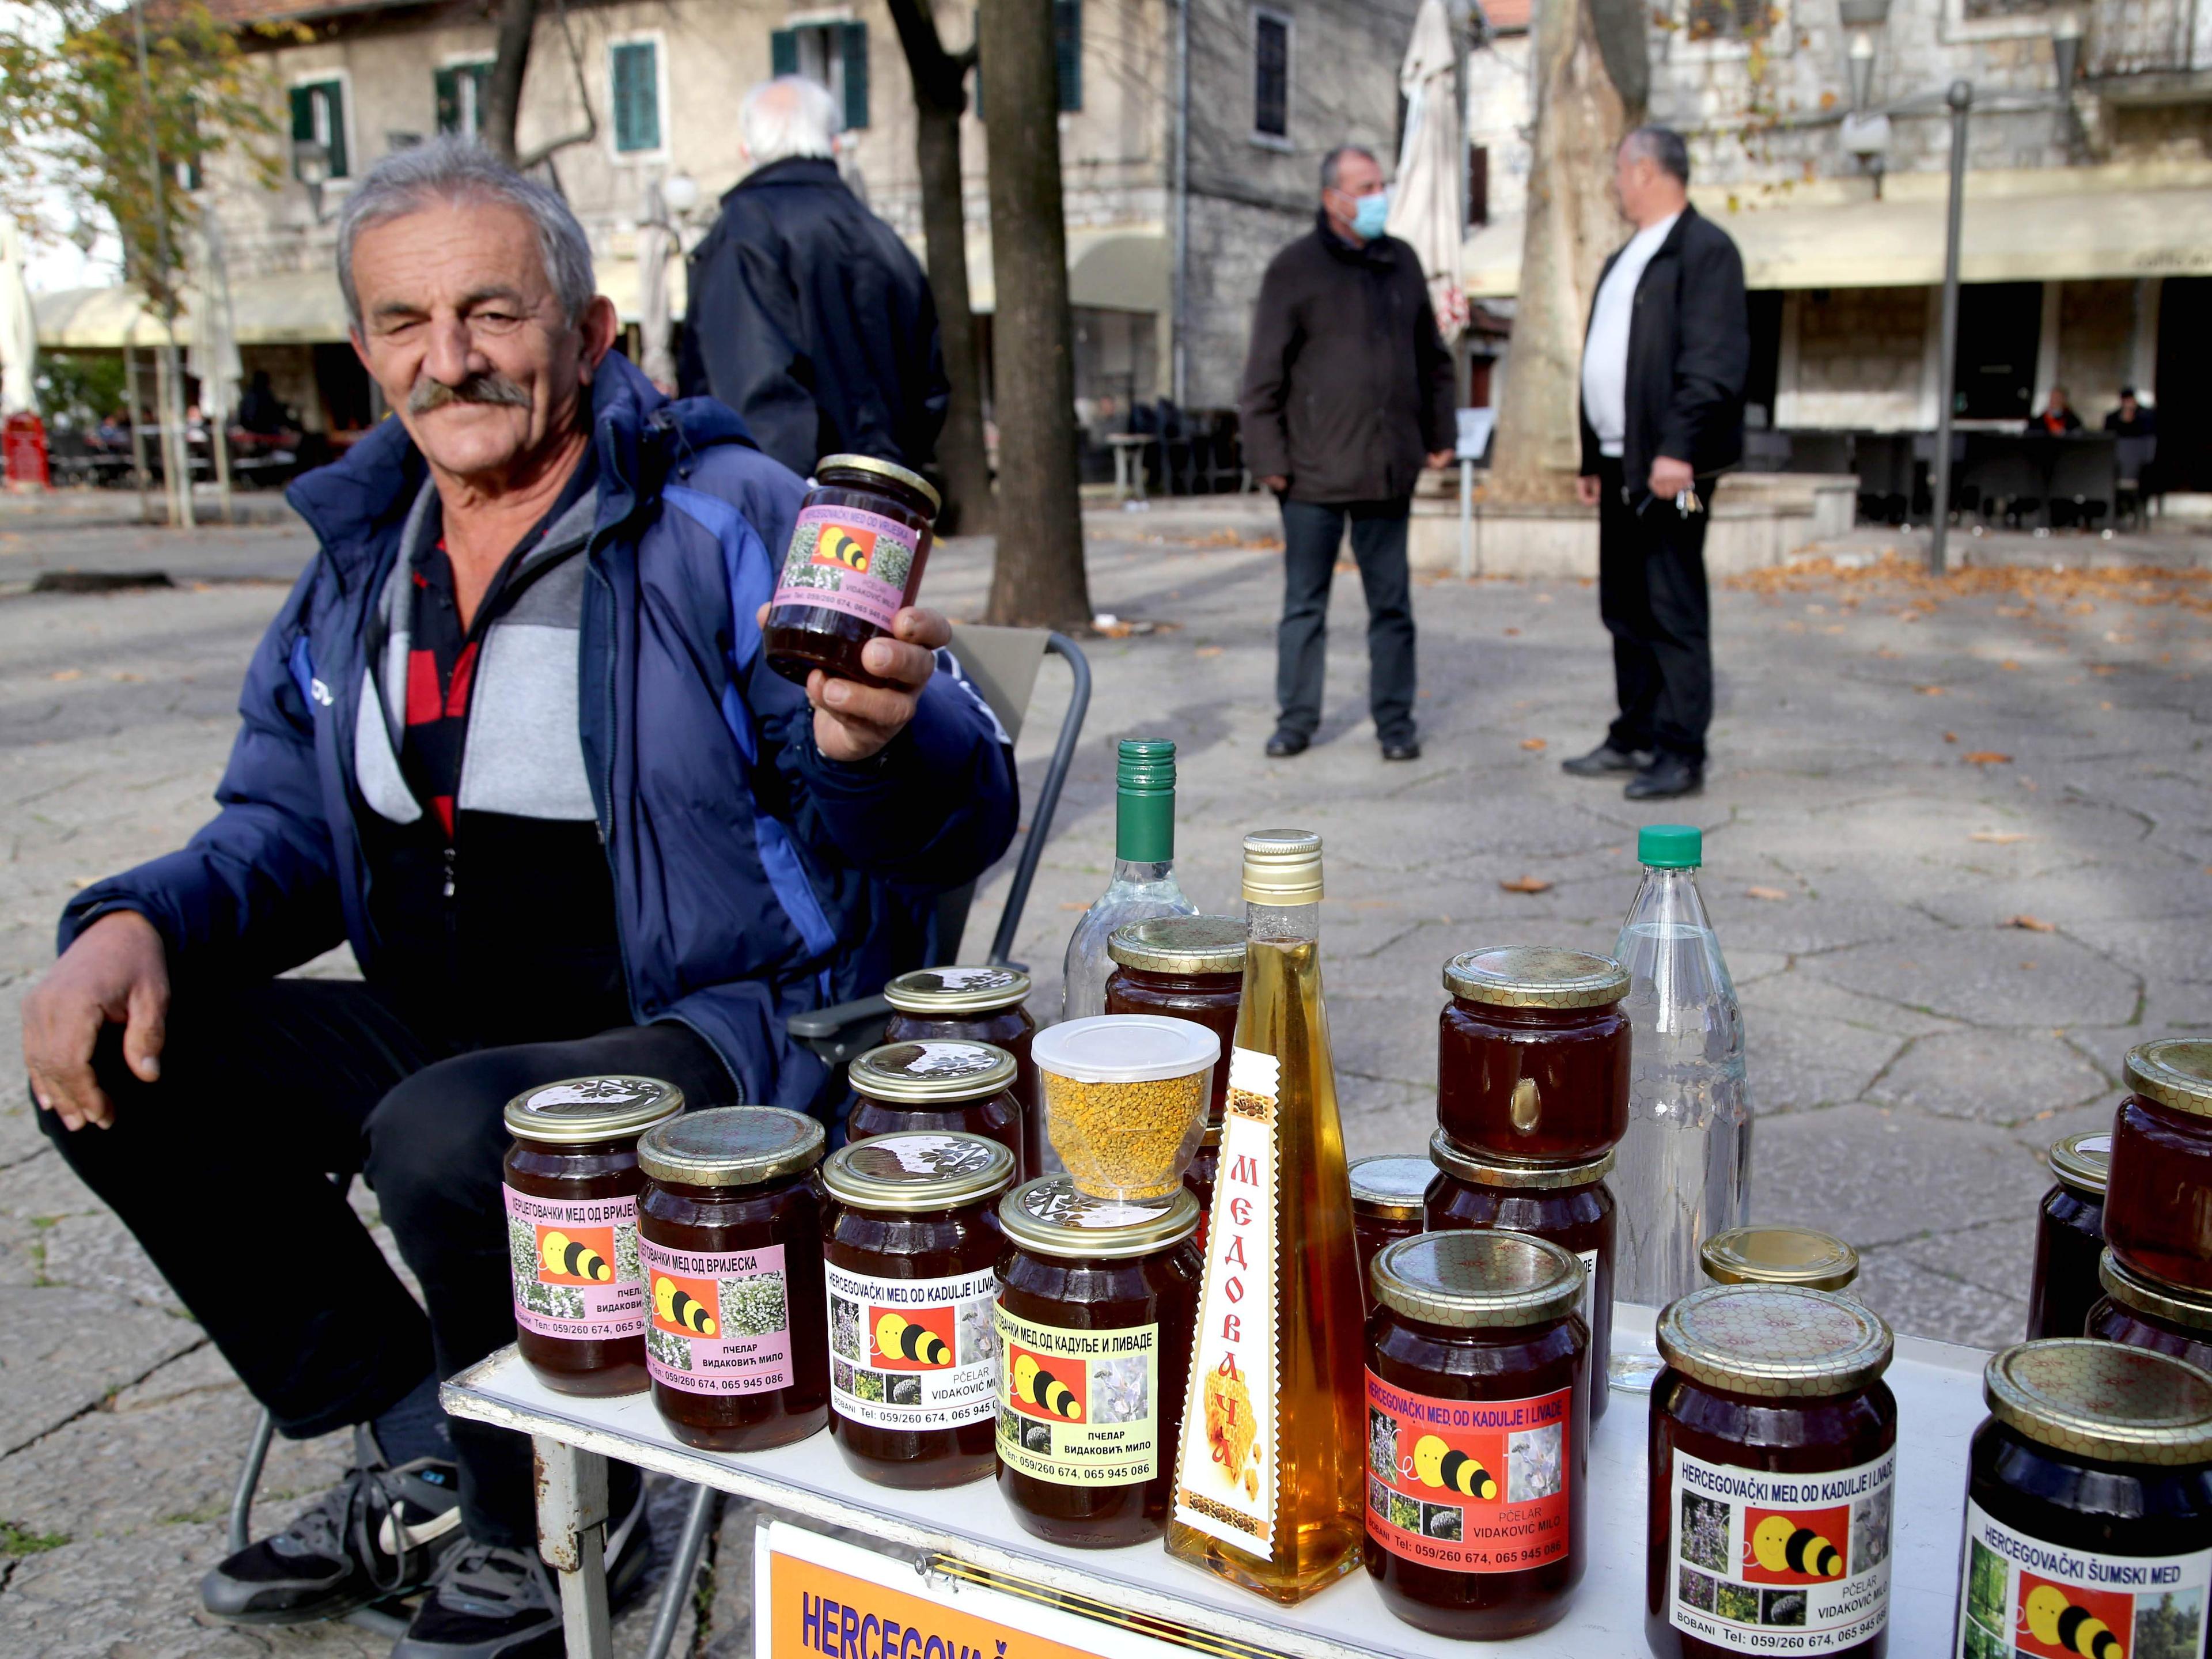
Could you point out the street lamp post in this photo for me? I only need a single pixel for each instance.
(1959, 99)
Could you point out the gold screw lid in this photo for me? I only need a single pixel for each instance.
(1282, 867)
(1535, 976)
(1780, 1255)
(1179, 945)
(2175, 1072)
(730, 1146)
(2100, 1399)
(1392, 1187)
(1476, 1170)
(2084, 1162)
(891, 469)
(918, 1172)
(1049, 1215)
(578, 1111)
(1774, 1341)
(2145, 1295)
(957, 990)
(932, 1073)
(1478, 1279)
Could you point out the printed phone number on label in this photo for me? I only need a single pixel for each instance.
(1762, 1641)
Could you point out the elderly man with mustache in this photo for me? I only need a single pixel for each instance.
(511, 736)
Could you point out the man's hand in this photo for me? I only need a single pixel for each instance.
(852, 721)
(117, 972)
(1442, 457)
(1670, 477)
(1586, 489)
(1276, 482)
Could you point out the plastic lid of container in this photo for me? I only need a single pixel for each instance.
(934, 1070)
(1774, 1341)
(1391, 1186)
(2175, 1072)
(938, 1170)
(2084, 1162)
(1670, 846)
(1535, 976)
(1779, 1255)
(580, 1110)
(2155, 1297)
(2100, 1399)
(1049, 1215)
(882, 469)
(957, 990)
(1124, 1048)
(1478, 1279)
(1477, 1169)
(730, 1146)
(1179, 945)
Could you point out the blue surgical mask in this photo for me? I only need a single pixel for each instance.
(1371, 215)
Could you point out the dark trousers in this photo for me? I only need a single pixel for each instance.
(222, 1170)
(1651, 594)
(1312, 532)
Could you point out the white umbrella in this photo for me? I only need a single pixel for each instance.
(656, 243)
(213, 360)
(1425, 207)
(19, 326)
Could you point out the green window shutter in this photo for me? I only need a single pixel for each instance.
(783, 51)
(855, 47)
(1067, 50)
(637, 97)
(303, 121)
(332, 93)
(480, 74)
(447, 82)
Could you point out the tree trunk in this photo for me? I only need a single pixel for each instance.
(517, 24)
(1572, 223)
(1039, 578)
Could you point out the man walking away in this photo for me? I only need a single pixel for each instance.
(1347, 395)
(807, 314)
(1663, 369)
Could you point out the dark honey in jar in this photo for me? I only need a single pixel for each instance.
(937, 1084)
(1779, 1255)
(2142, 1313)
(1477, 1445)
(2070, 1237)
(729, 1231)
(1774, 1470)
(2088, 1506)
(854, 561)
(1198, 1180)
(1097, 1302)
(571, 1182)
(2158, 1198)
(1386, 1195)
(911, 1262)
(979, 1004)
(1186, 966)
(1532, 1054)
(1568, 1204)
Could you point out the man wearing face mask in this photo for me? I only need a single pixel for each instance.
(1348, 394)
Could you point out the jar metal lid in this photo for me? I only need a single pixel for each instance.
(1476, 1170)
(933, 1071)
(1282, 867)
(1179, 945)
(1780, 1255)
(2144, 1294)
(1535, 976)
(918, 1172)
(730, 1146)
(1392, 1187)
(578, 1111)
(2084, 1162)
(2100, 1399)
(1049, 1215)
(1774, 1341)
(1478, 1279)
(957, 990)
(1125, 1048)
(2175, 1072)
(890, 470)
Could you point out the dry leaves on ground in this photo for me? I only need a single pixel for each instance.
(1999, 837)
(1527, 885)
(1769, 893)
(2028, 924)
(1930, 690)
(1209, 650)
(66, 674)
(1532, 744)
(1986, 757)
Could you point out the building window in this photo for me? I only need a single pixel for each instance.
(463, 90)
(1477, 185)
(636, 72)
(832, 55)
(318, 117)
(1729, 20)
(1270, 74)
(2000, 337)
(1067, 50)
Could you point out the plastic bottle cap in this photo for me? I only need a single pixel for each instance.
(1146, 766)
(1670, 846)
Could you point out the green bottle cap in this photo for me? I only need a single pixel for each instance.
(1670, 846)
(1144, 825)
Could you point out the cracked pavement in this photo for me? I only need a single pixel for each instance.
(1959, 844)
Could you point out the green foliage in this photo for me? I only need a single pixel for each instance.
(77, 388)
(16, 1540)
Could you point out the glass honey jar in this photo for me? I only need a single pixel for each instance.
(975, 1004)
(2070, 1237)
(1532, 1056)
(855, 559)
(2158, 1195)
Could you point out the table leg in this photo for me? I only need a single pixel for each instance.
(572, 1536)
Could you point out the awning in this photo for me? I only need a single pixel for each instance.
(1112, 268)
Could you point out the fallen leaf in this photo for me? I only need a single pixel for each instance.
(66, 674)
(1070, 905)
(1950, 736)
(1511, 632)
(80, 883)
(1887, 652)
(1532, 744)
(1764, 893)
(2094, 668)
(1527, 885)
(1999, 837)
(1986, 757)
(2008, 665)
(127, 678)
(1209, 650)
(2028, 924)
(1930, 690)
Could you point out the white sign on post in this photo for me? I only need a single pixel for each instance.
(1475, 426)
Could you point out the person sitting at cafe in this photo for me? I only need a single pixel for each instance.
(2056, 418)
(113, 434)
(513, 738)
(259, 410)
(2131, 419)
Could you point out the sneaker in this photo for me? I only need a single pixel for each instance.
(381, 1532)
(490, 1602)
(1606, 759)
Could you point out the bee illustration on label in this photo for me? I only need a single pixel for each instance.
(2053, 1618)
(676, 1306)
(845, 549)
(1035, 1386)
(1780, 1546)
(1435, 1464)
(565, 1257)
(899, 1338)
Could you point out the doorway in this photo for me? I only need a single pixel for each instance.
(2000, 331)
(2183, 397)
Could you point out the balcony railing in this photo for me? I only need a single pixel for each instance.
(2142, 37)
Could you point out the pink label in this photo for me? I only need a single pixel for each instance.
(575, 1267)
(843, 559)
(720, 1320)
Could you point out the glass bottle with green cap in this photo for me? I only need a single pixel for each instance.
(1683, 1169)
(1144, 884)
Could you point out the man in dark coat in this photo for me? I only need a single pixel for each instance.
(1663, 368)
(807, 314)
(1348, 394)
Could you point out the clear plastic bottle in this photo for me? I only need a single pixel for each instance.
(1683, 1173)
(1144, 884)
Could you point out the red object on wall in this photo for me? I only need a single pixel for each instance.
(23, 442)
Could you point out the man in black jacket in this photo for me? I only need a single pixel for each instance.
(807, 314)
(1663, 367)
(1347, 395)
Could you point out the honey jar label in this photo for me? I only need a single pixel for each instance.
(1225, 1470)
(1761, 1562)
(912, 1354)
(716, 1321)
(1471, 1485)
(575, 1267)
(2021, 1598)
(846, 560)
(1589, 1259)
(1078, 1408)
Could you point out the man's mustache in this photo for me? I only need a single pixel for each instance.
(490, 387)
